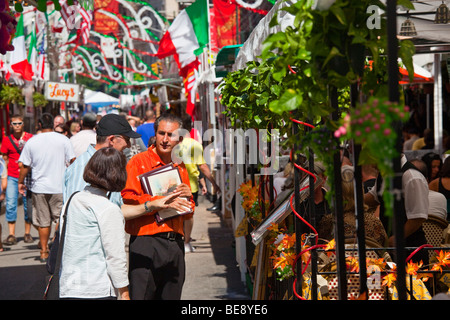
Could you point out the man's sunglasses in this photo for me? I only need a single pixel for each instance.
(17, 123)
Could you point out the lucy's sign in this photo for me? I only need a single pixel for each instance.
(59, 91)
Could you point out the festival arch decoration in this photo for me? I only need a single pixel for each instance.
(121, 45)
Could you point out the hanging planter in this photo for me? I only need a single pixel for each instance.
(39, 100)
(370, 125)
(11, 94)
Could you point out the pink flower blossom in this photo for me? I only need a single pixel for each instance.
(340, 131)
(337, 133)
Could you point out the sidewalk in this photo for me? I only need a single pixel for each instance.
(211, 271)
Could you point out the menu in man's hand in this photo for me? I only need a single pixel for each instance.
(161, 182)
(148, 181)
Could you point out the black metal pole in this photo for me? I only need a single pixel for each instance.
(338, 209)
(312, 219)
(297, 206)
(359, 206)
(394, 95)
(360, 230)
(269, 152)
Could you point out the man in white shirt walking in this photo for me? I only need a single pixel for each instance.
(46, 154)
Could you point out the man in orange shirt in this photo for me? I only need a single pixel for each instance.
(156, 250)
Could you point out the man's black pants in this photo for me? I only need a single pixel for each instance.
(156, 268)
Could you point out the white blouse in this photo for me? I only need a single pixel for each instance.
(94, 261)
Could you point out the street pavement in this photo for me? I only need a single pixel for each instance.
(211, 270)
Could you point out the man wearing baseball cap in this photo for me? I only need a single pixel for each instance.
(112, 131)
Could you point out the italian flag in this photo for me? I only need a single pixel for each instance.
(32, 52)
(187, 35)
(19, 60)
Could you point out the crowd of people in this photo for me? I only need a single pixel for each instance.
(92, 167)
(92, 170)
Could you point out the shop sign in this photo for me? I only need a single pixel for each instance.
(59, 91)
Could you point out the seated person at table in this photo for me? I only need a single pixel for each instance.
(373, 227)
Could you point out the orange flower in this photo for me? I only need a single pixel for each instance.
(245, 187)
(412, 268)
(249, 195)
(288, 241)
(273, 227)
(443, 259)
(352, 264)
(330, 245)
(283, 260)
(380, 263)
(389, 279)
(424, 276)
(437, 267)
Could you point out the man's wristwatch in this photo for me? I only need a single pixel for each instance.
(146, 207)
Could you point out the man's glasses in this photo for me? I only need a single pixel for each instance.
(17, 123)
(126, 139)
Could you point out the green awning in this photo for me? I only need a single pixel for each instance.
(227, 55)
(225, 59)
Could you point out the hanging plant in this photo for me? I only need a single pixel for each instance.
(370, 125)
(39, 100)
(328, 48)
(11, 94)
(246, 93)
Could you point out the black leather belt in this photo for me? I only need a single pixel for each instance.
(172, 236)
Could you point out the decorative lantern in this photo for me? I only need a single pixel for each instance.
(408, 29)
(442, 14)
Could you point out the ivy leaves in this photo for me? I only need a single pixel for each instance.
(319, 50)
(247, 94)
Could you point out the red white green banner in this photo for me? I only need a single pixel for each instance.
(187, 35)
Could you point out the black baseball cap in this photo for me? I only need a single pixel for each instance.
(112, 124)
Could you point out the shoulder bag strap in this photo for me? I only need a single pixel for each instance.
(14, 145)
(62, 236)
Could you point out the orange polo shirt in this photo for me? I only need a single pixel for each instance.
(133, 194)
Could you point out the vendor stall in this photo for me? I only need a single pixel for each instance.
(97, 101)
